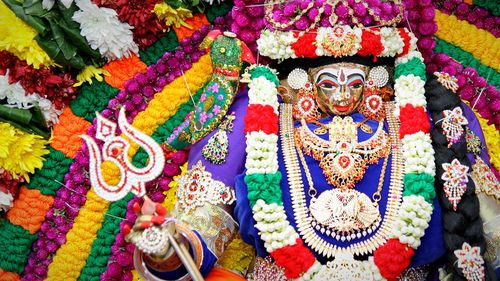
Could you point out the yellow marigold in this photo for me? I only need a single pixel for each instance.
(20, 153)
(170, 198)
(88, 73)
(172, 16)
(17, 38)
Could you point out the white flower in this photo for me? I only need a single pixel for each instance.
(274, 228)
(412, 54)
(410, 90)
(392, 42)
(263, 91)
(48, 4)
(276, 45)
(16, 97)
(104, 31)
(412, 220)
(418, 154)
(262, 153)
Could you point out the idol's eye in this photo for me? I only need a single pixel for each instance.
(327, 83)
(356, 84)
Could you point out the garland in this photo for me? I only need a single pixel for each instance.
(492, 138)
(66, 134)
(468, 38)
(262, 178)
(489, 5)
(478, 16)
(341, 40)
(468, 60)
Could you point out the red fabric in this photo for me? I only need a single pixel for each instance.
(261, 118)
(413, 119)
(304, 47)
(406, 39)
(392, 258)
(371, 43)
(295, 259)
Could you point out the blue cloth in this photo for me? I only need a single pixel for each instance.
(432, 243)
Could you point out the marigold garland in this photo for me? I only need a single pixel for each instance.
(170, 197)
(480, 43)
(92, 98)
(29, 209)
(65, 134)
(18, 38)
(122, 70)
(70, 258)
(489, 5)
(20, 153)
(153, 53)
(9, 276)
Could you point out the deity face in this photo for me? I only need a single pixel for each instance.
(340, 87)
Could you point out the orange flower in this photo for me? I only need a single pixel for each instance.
(66, 133)
(123, 70)
(29, 209)
(8, 276)
(195, 22)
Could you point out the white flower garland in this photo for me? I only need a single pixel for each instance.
(415, 212)
(278, 44)
(259, 91)
(104, 31)
(418, 154)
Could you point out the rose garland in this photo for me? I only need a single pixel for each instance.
(263, 177)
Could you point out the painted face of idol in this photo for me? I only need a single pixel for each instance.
(340, 88)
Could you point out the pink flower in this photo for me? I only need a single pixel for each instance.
(215, 87)
(216, 109)
(203, 117)
(203, 97)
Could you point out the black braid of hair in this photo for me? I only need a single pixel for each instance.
(464, 224)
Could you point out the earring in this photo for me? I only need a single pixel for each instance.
(306, 106)
(372, 106)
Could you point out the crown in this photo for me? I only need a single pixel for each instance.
(338, 28)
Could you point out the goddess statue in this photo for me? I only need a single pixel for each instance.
(325, 166)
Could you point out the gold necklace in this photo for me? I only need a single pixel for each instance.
(342, 158)
(301, 212)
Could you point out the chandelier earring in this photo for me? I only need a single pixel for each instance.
(305, 106)
(373, 103)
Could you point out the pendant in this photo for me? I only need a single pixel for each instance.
(217, 147)
(343, 170)
(344, 215)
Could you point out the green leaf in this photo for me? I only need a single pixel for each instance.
(20, 116)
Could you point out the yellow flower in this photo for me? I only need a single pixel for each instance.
(170, 198)
(20, 153)
(88, 73)
(17, 38)
(172, 16)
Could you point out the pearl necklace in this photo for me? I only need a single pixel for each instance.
(298, 196)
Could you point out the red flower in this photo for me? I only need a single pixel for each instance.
(371, 43)
(413, 119)
(392, 258)
(295, 259)
(261, 118)
(304, 47)
(406, 40)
